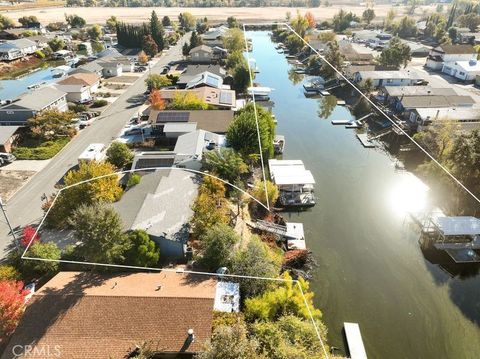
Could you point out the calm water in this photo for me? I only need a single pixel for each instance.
(371, 266)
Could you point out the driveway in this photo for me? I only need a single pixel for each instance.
(25, 206)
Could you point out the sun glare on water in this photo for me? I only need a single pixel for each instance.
(409, 195)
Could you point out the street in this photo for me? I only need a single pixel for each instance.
(25, 206)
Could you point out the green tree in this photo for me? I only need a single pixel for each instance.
(396, 54)
(242, 132)
(28, 21)
(105, 189)
(208, 210)
(51, 124)
(341, 20)
(230, 342)
(235, 59)
(368, 15)
(258, 191)
(241, 78)
(166, 21)
(6, 22)
(33, 268)
(156, 81)
(195, 40)
(234, 40)
(99, 230)
(335, 59)
(283, 300)
(299, 24)
(56, 44)
(453, 34)
(232, 22)
(226, 163)
(75, 21)
(95, 32)
(111, 23)
(407, 27)
(470, 20)
(9, 272)
(187, 21)
(119, 155)
(156, 31)
(259, 261)
(144, 252)
(217, 246)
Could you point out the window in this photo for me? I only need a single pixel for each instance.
(461, 73)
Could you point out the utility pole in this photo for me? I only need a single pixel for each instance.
(6, 217)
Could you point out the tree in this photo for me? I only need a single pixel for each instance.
(232, 22)
(230, 342)
(283, 300)
(327, 36)
(335, 61)
(156, 100)
(453, 34)
(406, 27)
(256, 260)
(326, 105)
(99, 230)
(310, 20)
(368, 15)
(28, 21)
(142, 57)
(187, 101)
(149, 46)
(6, 22)
(185, 49)
(187, 21)
(242, 132)
(144, 252)
(234, 40)
(396, 54)
(470, 20)
(12, 303)
(75, 21)
(341, 20)
(289, 337)
(226, 163)
(258, 191)
(119, 155)
(241, 77)
(104, 189)
(300, 24)
(156, 81)
(95, 32)
(195, 40)
(235, 59)
(156, 30)
(8, 272)
(111, 23)
(208, 211)
(51, 124)
(33, 268)
(28, 235)
(56, 44)
(166, 21)
(217, 245)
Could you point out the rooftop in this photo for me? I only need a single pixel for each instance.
(289, 172)
(457, 114)
(212, 96)
(92, 315)
(6, 132)
(455, 49)
(203, 48)
(83, 79)
(458, 226)
(205, 78)
(400, 74)
(17, 44)
(37, 99)
(436, 101)
(399, 91)
(216, 121)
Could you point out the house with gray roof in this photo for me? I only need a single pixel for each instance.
(30, 103)
(205, 79)
(193, 71)
(15, 49)
(201, 54)
(89, 67)
(387, 78)
(7, 137)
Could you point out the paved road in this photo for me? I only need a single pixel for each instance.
(25, 206)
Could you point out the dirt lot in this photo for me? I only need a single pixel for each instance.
(11, 181)
(137, 15)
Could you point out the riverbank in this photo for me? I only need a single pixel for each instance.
(372, 269)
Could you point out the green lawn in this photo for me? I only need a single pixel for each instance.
(31, 149)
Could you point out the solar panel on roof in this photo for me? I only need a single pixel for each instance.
(226, 98)
(212, 81)
(173, 116)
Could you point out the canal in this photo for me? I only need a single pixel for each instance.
(371, 267)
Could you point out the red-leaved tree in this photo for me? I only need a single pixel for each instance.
(28, 235)
(12, 302)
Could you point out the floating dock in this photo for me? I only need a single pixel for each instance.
(363, 137)
(341, 122)
(354, 341)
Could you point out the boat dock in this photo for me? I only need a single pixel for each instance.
(292, 233)
(341, 122)
(354, 341)
(365, 141)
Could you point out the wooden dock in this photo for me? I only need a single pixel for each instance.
(341, 122)
(354, 341)
(365, 141)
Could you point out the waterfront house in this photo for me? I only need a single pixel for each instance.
(63, 55)
(387, 78)
(214, 33)
(216, 121)
(79, 87)
(89, 67)
(468, 118)
(408, 103)
(30, 103)
(8, 134)
(294, 182)
(201, 54)
(15, 49)
(40, 40)
(463, 70)
(443, 54)
(206, 79)
(192, 71)
(217, 98)
(98, 315)
(110, 68)
(13, 33)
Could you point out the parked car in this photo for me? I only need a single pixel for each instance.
(134, 131)
(165, 70)
(6, 158)
(85, 101)
(140, 69)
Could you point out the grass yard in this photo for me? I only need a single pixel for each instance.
(31, 149)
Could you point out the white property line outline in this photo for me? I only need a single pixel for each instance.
(444, 169)
(256, 116)
(24, 257)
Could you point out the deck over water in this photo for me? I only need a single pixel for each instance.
(363, 137)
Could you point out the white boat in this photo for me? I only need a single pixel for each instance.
(259, 91)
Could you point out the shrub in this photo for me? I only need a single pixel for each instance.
(217, 245)
(77, 107)
(28, 235)
(8, 272)
(39, 54)
(134, 179)
(99, 103)
(43, 151)
(33, 268)
(119, 155)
